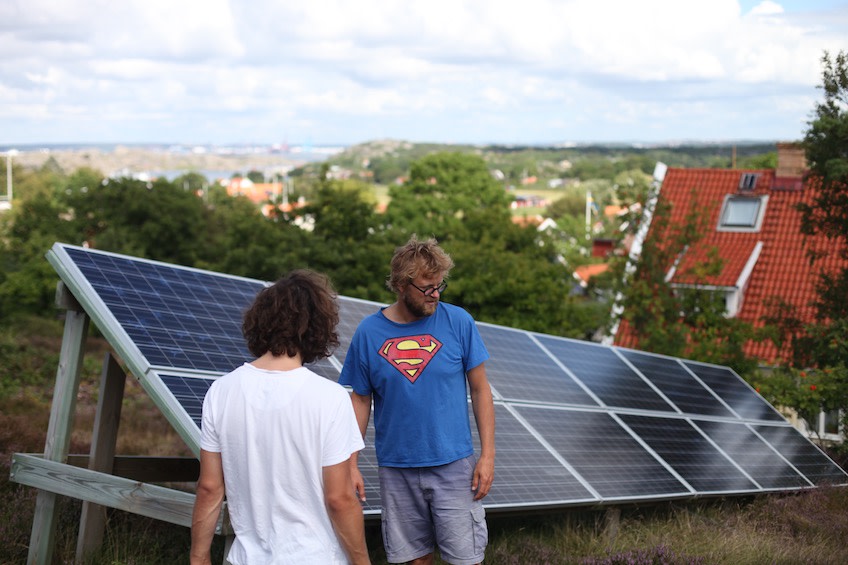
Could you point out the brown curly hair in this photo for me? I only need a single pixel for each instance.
(297, 314)
(417, 258)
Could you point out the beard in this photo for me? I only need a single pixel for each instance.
(419, 309)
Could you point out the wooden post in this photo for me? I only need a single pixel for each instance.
(102, 456)
(59, 429)
(612, 521)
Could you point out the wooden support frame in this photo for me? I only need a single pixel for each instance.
(100, 479)
(42, 538)
(103, 444)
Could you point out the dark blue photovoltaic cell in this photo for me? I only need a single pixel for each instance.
(735, 392)
(524, 469)
(189, 392)
(351, 312)
(753, 454)
(677, 384)
(176, 317)
(519, 370)
(689, 454)
(601, 370)
(603, 453)
(803, 455)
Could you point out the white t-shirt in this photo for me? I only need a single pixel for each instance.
(275, 431)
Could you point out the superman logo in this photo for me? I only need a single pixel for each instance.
(411, 354)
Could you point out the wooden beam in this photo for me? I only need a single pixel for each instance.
(42, 538)
(103, 443)
(153, 501)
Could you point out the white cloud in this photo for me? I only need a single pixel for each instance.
(159, 70)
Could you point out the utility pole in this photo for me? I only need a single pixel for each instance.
(7, 204)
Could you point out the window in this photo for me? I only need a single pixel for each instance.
(742, 213)
(748, 181)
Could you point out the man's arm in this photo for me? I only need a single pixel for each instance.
(207, 506)
(484, 414)
(362, 410)
(345, 512)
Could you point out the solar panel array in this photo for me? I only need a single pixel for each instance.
(577, 423)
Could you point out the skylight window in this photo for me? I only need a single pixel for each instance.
(742, 213)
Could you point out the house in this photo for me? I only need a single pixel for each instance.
(752, 221)
(258, 193)
(584, 273)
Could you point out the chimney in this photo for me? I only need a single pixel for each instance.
(791, 160)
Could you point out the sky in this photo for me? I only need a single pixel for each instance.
(325, 72)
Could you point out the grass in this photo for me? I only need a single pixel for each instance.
(803, 528)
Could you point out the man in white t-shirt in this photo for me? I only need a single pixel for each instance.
(277, 439)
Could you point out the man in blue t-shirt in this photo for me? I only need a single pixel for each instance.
(414, 358)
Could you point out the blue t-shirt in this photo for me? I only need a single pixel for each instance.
(416, 375)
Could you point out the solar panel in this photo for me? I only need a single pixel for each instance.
(614, 463)
(762, 462)
(577, 423)
(605, 373)
(692, 455)
(803, 455)
(738, 394)
(678, 384)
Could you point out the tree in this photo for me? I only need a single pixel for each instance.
(826, 144)
(192, 182)
(442, 190)
(817, 378)
(237, 239)
(255, 176)
(155, 220)
(345, 243)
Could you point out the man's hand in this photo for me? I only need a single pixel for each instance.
(358, 481)
(484, 474)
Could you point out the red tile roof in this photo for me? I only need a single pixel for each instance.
(782, 268)
(586, 272)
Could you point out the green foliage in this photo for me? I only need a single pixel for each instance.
(26, 359)
(236, 238)
(572, 203)
(155, 220)
(256, 177)
(27, 281)
(764, 161)
(191, 181)
(825, 144)
(345, 243)
(820, 350)
(505, 277)
(442, 190)
(808, 392)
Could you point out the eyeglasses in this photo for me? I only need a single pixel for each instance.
(429, 290)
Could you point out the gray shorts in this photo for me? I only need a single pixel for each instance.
(425, 507)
